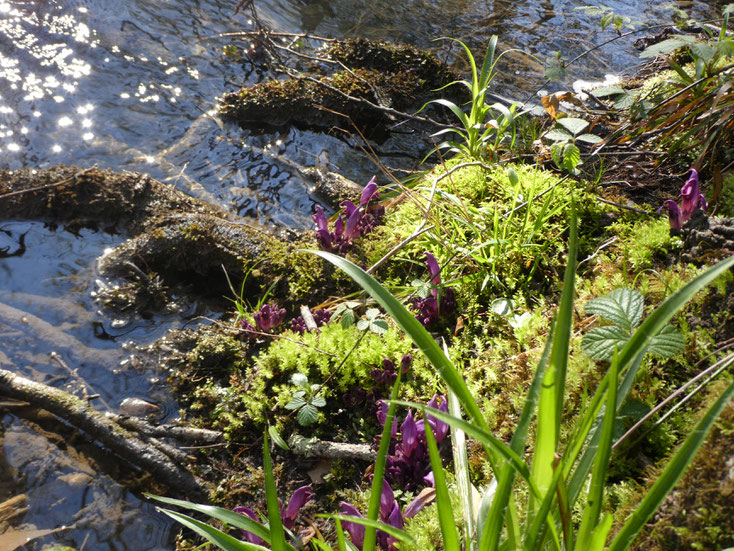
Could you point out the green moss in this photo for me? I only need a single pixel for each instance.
(725, 204)
(317, 355)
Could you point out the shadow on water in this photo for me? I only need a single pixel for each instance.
(132, 85)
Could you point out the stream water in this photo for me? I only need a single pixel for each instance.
(131, 85)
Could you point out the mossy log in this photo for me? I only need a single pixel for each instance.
(380, 81)
(136, 451)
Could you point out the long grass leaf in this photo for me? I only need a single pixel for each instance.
(550, 405)
(595, 495)
(671, 474)
(277, 534)
(217, 537)
(461, 465)
(443, 502)
(225, 515)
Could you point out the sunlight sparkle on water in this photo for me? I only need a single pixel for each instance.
(65, 121)
(87, 123)
(87, 136)
(56, 148)
(13, 147)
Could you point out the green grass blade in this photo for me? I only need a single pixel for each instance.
(595, 495)
(375, 525)
(599, 537)
(217, 537)
(671, 474)
(489, 538)
(461, 465)
(370, 534)
(340, 539)
(550, 404)
(443, 502)
(485, 75)
(322, 545)
(417, 333)
(277, 534)
(225, 515)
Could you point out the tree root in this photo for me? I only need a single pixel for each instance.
(144, 454)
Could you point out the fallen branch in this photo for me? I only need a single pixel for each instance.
(73, 410)
(309, 447)
(47, 186)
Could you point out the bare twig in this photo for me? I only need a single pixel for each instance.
(85, 385)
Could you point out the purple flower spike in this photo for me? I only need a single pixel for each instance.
(440, 429)
(387, 500)
(691, 197)
(434, 270)
(356, 531)
(369, 192)
(268, 317)
(409, 433)
(320, 218)
(299, 498)
(249, 536)
(429, 479)
(405, 363)
(674, 214)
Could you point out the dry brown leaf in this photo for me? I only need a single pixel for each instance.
(552, 102)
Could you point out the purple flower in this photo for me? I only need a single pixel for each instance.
(249, 536)
(369, 192)
(430, 479)
(356, 531)
(269, 317)
(674, 214)
(353, 222)
(299, 498)
(409, 433)
(320, 316)
(434, 270)
(382, 408)
(691, 197)
(405, 363)
(440, 429)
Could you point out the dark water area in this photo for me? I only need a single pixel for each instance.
(132, 85)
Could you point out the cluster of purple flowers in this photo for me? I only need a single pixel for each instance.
(320, 316)
(352, 222)
(408, 462)
(441, 302)
(390, 513)
(691, 199)
(384, 378)
(266, 319)
(299, 498)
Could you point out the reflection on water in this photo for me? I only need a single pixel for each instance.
(131, 85)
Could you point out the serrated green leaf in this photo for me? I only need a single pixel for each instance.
(379, 327)
(363, 324)
(623, 307)
(589, 138)
(372, 313)
(295, 403)
(558, 135)
(634, 409)
(667, 343)
(625, 101)
(307, 415)
(573, 125)
(703, 51)
(299, 379)
(666, 46)
(347, 319)
(571, 157)
(318, 401)
(599, 342)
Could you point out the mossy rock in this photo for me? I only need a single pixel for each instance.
(380, 74)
